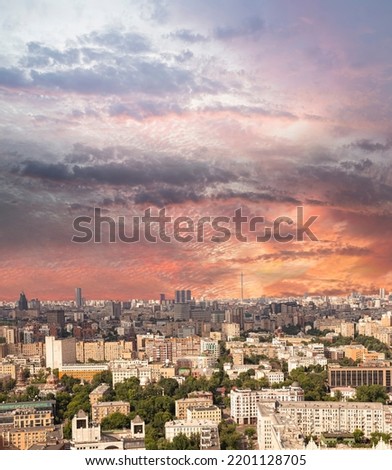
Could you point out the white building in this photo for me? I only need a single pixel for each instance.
(243, 403)
(210, 346)
(297, 361)
(207, 430)
(276, 431)
(273, 377)
(88, 436)
(59, 351)
(122, 370)
(346, 392)
(317, 417)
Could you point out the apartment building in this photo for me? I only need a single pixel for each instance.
(82, 371)
(194, 400)
(286, 425)
(102, 409)
(25, 424)
(243, 403)
(275, 431)
(207, 430)
(211, 413)
(98, 393)
(314, 418)
(141, 369)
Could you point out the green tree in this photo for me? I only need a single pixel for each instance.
(115, 421)
(371, 393)
(312, 379)
(376, 436)
(250, 432)
(358, 436)
(169, 386)
(32, 392)
(69, 382)
(130, 389)
(80, 401)
(230, 438)
(105, 377)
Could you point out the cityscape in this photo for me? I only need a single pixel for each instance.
(184, 373)
(196, 215)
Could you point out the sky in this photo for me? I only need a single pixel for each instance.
(201, 108)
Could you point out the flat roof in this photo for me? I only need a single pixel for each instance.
(48, 404)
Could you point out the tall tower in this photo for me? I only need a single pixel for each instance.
(78, 297)
(22, 304)
(183, 296)
(242, 287)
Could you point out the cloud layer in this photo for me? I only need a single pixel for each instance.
(201, 109)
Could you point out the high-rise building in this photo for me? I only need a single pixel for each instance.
(22, 304)
(382, 293)
(183, 296)
(56, 317)
(59, 351)
(78, 297)
(114, 309)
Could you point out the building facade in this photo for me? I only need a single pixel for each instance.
(243, 403)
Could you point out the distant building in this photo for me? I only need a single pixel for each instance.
(78, 297)
(183, 296)
(82, 371)
(22, 303)
(59, 352)
(56, 317)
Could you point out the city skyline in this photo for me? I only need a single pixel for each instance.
(201, 108)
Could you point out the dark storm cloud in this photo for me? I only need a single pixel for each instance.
(51, 171)
(370, 146)
(270, 196)
(357, 166)
(163, 196)
(287, 255)
(188, 35)
(133, 172)
(249, 27)
(340, 185)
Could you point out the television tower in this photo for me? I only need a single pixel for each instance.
(242, 287)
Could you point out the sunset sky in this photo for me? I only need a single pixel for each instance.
(201, 107)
